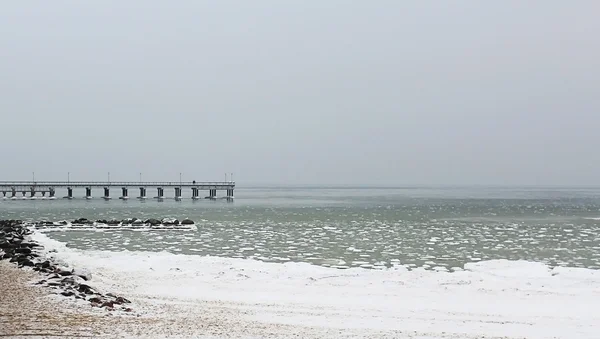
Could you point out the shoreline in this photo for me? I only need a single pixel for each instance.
(175, 295)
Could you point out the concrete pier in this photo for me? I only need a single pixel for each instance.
(160, 193)
(124, 193)
(50, 187)
(142, 193)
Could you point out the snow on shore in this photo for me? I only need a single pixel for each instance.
(500, 298)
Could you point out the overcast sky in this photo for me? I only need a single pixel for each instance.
(302, 92)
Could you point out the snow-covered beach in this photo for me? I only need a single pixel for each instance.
(204, 296)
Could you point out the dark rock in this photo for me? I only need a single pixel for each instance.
(40, 282)
(121, 300)
(108, 304)
(23, 250)
(102, 221)
(69, 281)
(54, 283)
(81, 221)
(7, 245)
(113, 222)
(83, 288)
(65, 273)
(26, 262)
(95, 300)
(187, 222)
(128, 309)
(153, 222)
(168, 221)
(137, 222)
(67, 293)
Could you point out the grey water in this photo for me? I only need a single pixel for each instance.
(434, 228)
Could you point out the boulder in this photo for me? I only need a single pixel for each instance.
(170, 221)
(153, 222)
(137, 222)
(67, 293)
(187, 222)
(83, 288)
(83, 273)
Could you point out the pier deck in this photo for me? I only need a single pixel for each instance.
(32, 187)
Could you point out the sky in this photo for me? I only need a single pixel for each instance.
(302, 92)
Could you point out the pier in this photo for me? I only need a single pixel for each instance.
(29, 189)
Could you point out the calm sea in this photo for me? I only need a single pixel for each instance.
(433, 228)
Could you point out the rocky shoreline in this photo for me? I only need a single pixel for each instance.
(17, 247)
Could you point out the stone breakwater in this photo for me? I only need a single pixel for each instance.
(128, 223)
(18, 248)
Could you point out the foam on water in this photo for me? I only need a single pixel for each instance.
(496, 298)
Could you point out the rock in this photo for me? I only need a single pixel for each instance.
(170, 221)
(108, 304)
(83, 273)
(153, 222)
(113, 222)
(83, 288)
(121, 300)
(23, 250)
(40, 282)
(67, 293)
(137, 222)
(65, 273)
(95, 300)
(69, 281)
(81, 221)
(128, 309)
(127, 221)
(26, 262)
(187, 222)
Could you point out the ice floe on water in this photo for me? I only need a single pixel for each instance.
(495, 298)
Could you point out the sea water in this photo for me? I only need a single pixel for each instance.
(364, 262)
(432, 228)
